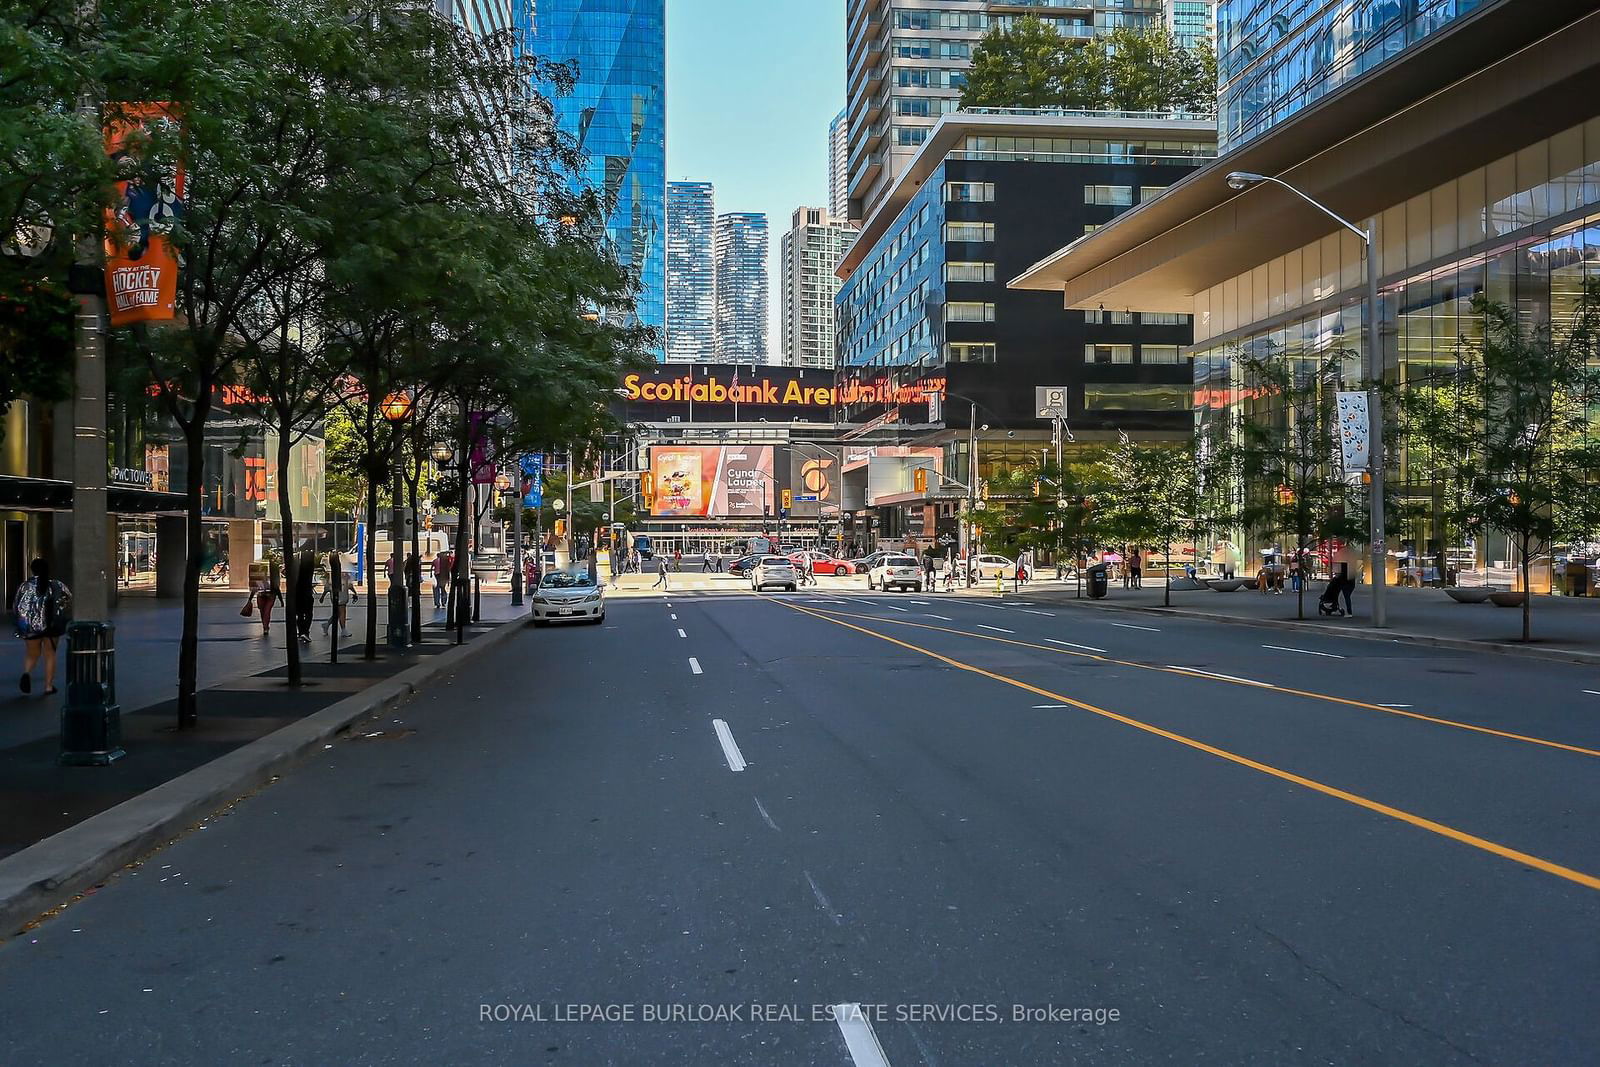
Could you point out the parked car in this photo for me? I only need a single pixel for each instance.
(822, 563)
(568, 596)
(743, 564)
(896, 572)
(774, 570)
(989, 566)
(867, 562)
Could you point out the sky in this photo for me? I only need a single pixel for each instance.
(751, 88)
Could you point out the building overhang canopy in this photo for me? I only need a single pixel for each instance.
(1482, 88)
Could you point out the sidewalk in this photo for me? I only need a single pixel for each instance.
(1566, 628)
(243, 697)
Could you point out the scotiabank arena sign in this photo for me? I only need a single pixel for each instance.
(721, 392)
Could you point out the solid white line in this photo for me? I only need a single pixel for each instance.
(997, 629)
(1396, 705)
(1214, 674)
(1037, 707)
(1047, 614)
(681, 633)
(1069, 644)
(858, 1036)
(694, 665)
(764, 816)
(816, 891)
(931, 615)
(1131, 626)
(1302, 651)
(1592, 692)
(730, 748)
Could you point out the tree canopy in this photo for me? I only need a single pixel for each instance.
(1031, 65)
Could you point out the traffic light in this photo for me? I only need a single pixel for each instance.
(788, 499)
(919, 480)
(1038, 487)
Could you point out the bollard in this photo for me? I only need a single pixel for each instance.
(91, 721)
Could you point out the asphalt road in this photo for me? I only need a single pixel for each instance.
(1008, 833)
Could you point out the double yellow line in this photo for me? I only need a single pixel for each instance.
(1588, 881)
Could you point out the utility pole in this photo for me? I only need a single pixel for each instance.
(91, 724)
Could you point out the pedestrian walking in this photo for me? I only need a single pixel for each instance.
(1135, 568)
(414, 577)
(661, 573)
(927, 569)
(1347, 587)
(41, 609)
(267, 594)
(441, 579)
(338, 587)
(305, 584)
(677, 559)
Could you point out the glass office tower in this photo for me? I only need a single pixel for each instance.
(691, 272)
(618, 113)
(1276, 57)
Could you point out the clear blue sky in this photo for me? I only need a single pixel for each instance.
(751, 88)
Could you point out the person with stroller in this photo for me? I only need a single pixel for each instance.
(1340, 586)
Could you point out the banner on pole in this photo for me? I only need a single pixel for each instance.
(533, 481)
(141, 264)
(1355, 431)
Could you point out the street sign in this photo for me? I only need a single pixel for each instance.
(1050, 401)
(807, 498)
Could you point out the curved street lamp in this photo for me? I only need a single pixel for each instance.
(1378, 547)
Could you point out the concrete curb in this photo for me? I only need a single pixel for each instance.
(1502, 648)
(51, 872)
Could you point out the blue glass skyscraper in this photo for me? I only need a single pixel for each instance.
(618, 113)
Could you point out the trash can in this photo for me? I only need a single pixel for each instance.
(1577, 579)
(1099, 581)
(91, 720)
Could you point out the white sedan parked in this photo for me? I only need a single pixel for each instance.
(568, 596)
(989, 566)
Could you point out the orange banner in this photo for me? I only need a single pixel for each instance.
(141, 264)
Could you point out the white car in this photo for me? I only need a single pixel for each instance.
(989, 566)
(774, 570)
(568, 596)
(896, 572)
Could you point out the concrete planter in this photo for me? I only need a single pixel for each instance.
(1227, 585)
(1507, 599)
(1471, 595)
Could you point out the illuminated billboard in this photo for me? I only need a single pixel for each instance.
(712, 481)
(814, 475)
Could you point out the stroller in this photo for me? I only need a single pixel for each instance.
(1328, 602)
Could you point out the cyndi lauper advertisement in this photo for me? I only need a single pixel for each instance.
(711, 481)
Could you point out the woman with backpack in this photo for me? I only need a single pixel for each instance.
(41, 609)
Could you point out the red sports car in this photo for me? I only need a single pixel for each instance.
(822, 563)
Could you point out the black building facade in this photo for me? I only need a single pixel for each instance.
(928, 328)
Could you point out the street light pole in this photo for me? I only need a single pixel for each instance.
(1379, 550)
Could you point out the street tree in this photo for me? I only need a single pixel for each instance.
(1514, 415)
(1152, 495)
(1285, 449)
